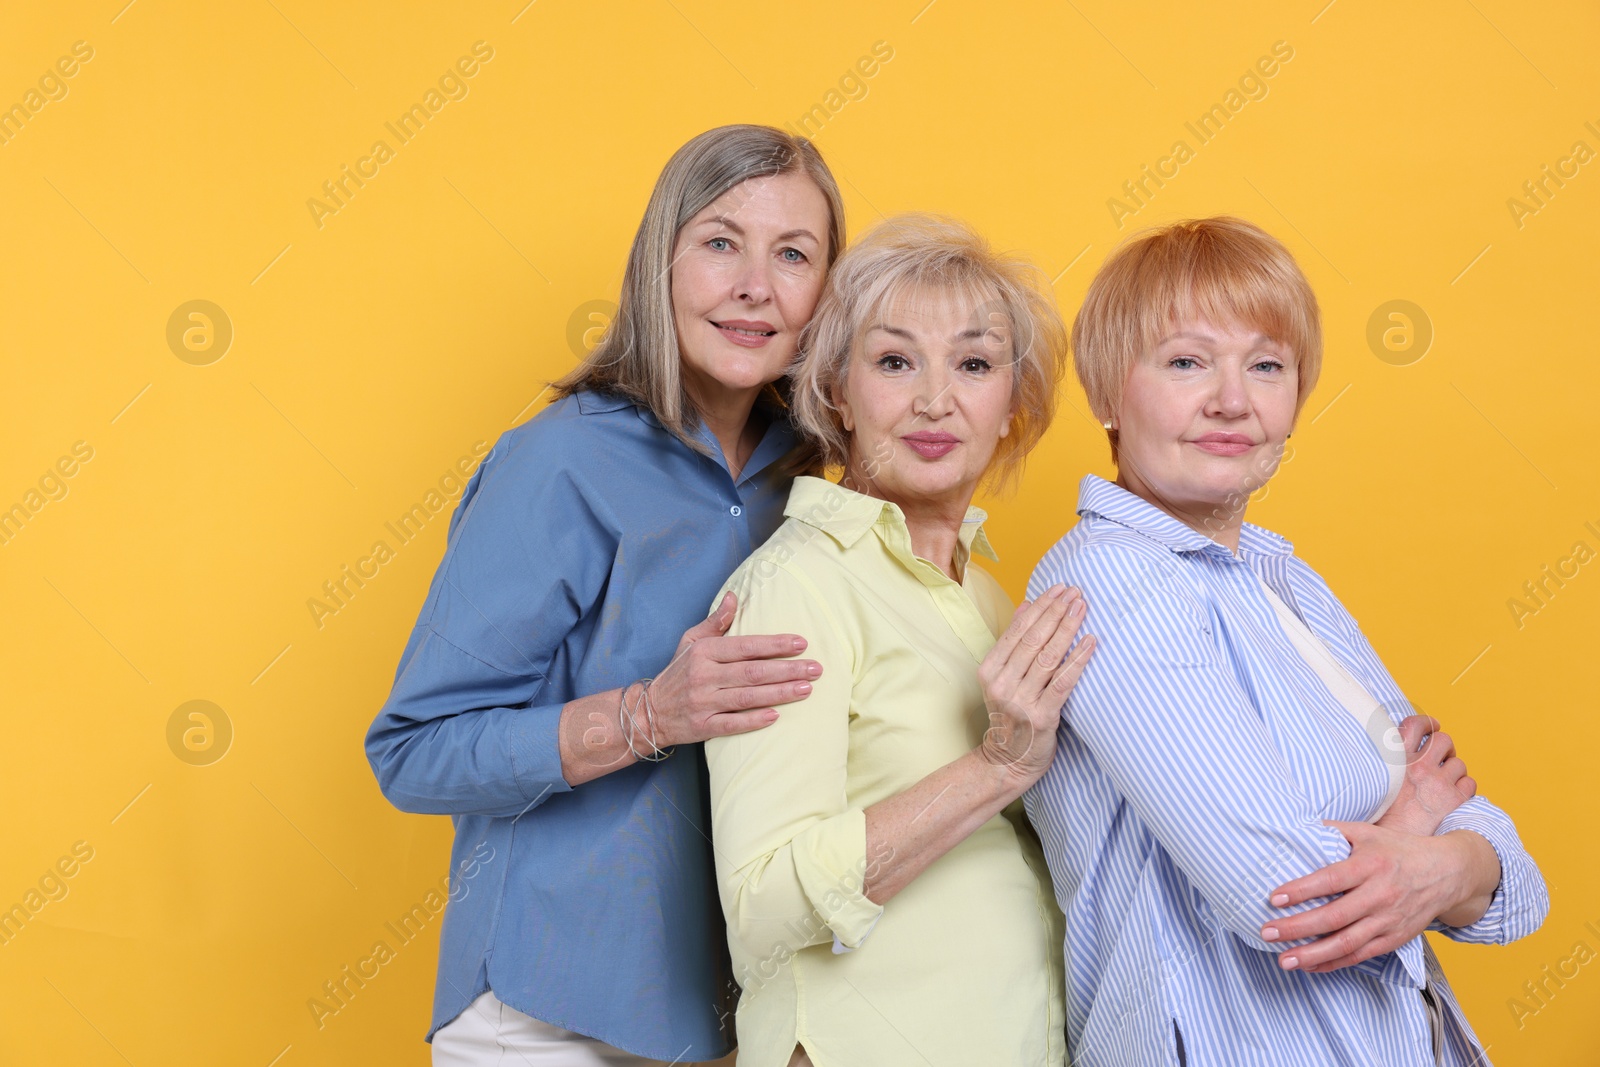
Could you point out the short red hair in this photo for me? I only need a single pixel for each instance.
(1221, 269)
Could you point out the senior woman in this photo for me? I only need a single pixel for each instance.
(886, 902)
(582, 924)
(1260, 711)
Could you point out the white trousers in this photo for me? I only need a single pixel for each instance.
(492, 1034)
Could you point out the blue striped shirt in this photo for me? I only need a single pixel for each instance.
(585, 545)
(1197, 760)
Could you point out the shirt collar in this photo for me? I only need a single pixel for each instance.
(845, 515)
(596, 402)
(779, 438)
(592, 402)
(1259, 541)
(1111, 502)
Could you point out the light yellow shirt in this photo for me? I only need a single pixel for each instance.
(963, 966)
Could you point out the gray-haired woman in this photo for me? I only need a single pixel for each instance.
(582, 925)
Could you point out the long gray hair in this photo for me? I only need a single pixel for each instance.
(638, 357)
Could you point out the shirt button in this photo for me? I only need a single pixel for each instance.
(736, 511)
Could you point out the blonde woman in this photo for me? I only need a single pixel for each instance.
(886, 902)
(582, 926)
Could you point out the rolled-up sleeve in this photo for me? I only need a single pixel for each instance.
(791, 849)
(1521, 901)
(1169, 724)
(464, 731)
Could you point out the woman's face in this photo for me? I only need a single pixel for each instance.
(1203, 420)
(926, 398)
(746, 275)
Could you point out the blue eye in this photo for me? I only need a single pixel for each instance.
(719, 244)
(1187, 361)
(793, 255)
(1270, 364)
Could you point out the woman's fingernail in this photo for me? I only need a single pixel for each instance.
(1076, 609)
(799, 643)
(803, 688)
(1270, 934)
(770, 716)
(1280, 900)
(814, 670)
(1289, 963)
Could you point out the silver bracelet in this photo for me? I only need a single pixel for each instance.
(625, 721)
(630, 726)
(650, 721)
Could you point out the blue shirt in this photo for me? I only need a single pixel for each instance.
(584, 546)
(1198, 755)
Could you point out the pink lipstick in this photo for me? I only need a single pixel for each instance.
(1224, 444)
(931, 444)
(747, 333)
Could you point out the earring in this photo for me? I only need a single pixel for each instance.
(1106, 424)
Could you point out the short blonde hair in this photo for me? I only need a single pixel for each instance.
(639, 356)
(921, 251)
(1222, 269)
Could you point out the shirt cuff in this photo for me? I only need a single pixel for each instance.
(840, 948)
(533, 740)
(830, 860)
(1491, 928)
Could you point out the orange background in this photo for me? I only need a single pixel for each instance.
(374, 346)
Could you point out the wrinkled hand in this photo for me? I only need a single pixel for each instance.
(1436, 781)
(718, 685)
(1026, 680)
(1394, 885)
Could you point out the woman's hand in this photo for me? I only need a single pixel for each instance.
(718, 685)
(715, 685)
(1394, 885)
(1436, 781)
(1025, 682)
